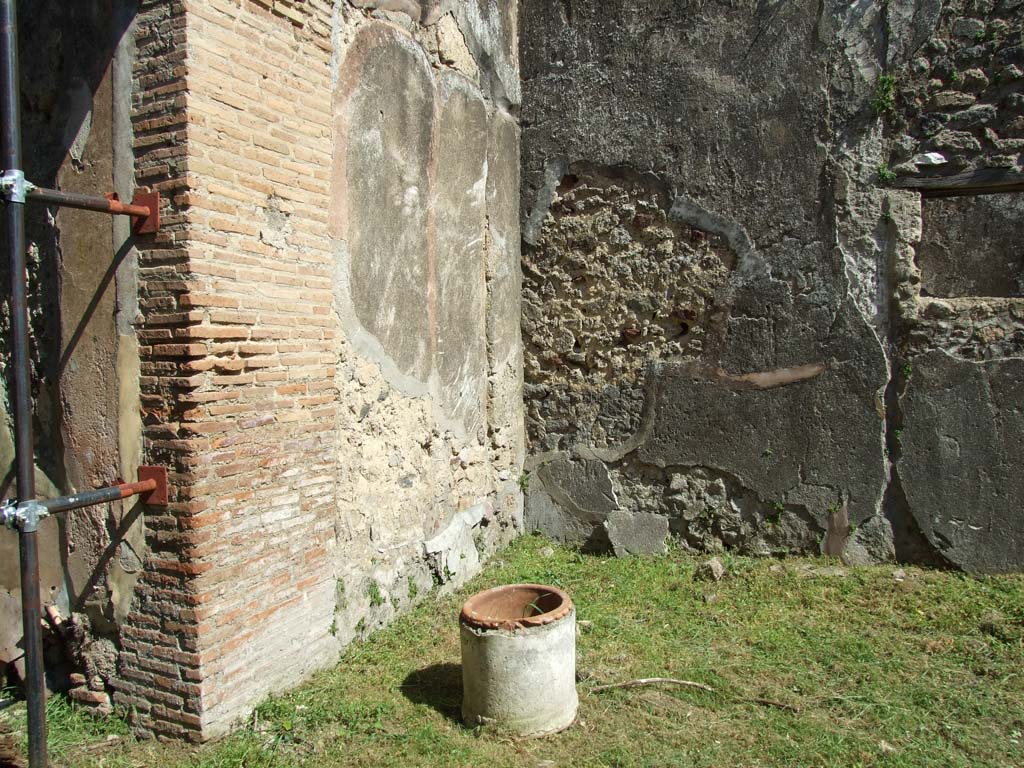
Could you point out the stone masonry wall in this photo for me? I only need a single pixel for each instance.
(794, 389)
(956, 100)
(614, 284)
(959, 267)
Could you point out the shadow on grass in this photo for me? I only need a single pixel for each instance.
(10, 751)
(438, 686)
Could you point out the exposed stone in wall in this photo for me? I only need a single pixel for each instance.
(709, 510)
(968, 328)
(959, 95)
(704, 509)
(958, 268)
(754, 120)
(613, 284)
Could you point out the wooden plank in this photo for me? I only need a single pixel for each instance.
(985, 181)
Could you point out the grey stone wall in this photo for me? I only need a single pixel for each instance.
(722, 294)
(956, 100)
(959, 324)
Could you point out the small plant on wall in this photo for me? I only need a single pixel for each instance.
(884, 101)
(375, 595)
(886, 174)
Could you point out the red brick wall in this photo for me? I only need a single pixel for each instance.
(303, 485)
(259, 156)
(160, 664)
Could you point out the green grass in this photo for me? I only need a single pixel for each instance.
(920, 672)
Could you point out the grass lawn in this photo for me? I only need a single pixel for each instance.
(923, 671)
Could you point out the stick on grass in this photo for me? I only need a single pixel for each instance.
(653, 681)
(645, 681)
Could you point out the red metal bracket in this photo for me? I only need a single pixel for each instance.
(144, 210)
(149, 199)
(158, 496)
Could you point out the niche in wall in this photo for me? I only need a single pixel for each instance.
(972, 246)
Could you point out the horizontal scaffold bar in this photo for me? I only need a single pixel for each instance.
(151, 487)
(145, 206)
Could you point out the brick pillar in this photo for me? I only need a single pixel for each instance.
(159, 666)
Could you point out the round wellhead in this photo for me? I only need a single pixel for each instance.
(516, 605)
(519, 659)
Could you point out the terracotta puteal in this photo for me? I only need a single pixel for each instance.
(519, 659)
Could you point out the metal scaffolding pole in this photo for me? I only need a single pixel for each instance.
(144, 208)
(31, 608)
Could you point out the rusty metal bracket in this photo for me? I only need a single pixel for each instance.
(144, 208)
(147, 198)
(151, 488)
(158, 496)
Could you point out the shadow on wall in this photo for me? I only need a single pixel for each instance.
(65, 51)
(68, 88)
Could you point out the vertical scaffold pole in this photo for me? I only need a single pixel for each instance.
(10, 115)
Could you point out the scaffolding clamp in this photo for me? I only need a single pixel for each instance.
(13, 186)
(23, 516)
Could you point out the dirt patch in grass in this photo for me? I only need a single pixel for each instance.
(914, 669)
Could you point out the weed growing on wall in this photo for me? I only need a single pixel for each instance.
(884, 101)
(375, 595)
(886, 175)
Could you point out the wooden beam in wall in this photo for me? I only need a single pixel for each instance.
(986, 181)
